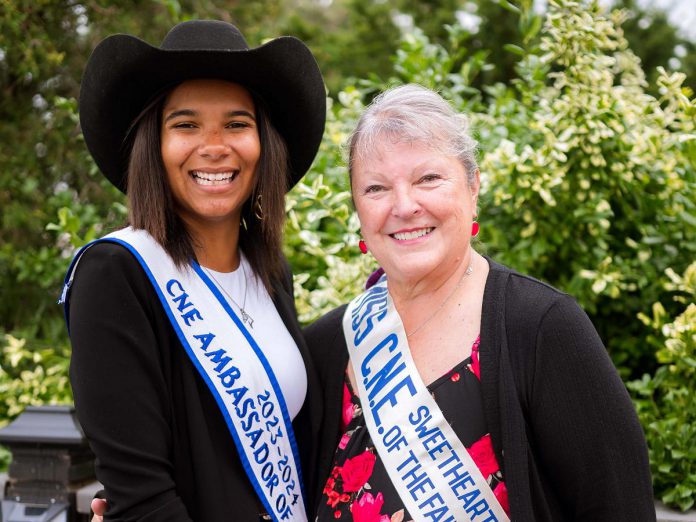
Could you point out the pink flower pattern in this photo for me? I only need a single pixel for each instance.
(367, 509)
(475, 366)
(500, 492)
(482, 454)
(348, 408)
(357, 470)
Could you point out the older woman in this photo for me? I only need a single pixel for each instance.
(188, 364)
(455, 388)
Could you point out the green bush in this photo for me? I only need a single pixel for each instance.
(322, 230)
(589, 179)
(30, 376)
(666, 401)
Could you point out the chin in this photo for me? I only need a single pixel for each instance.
(408, 271)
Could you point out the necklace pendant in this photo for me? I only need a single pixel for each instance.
(246, 318)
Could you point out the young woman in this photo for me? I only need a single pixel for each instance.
(188, 364)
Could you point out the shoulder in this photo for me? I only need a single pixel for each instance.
(108, 264)
(106, 257)
(537, 319)
(519, 285)
(524, 298)
(106, 272)
(543, 320)
(111, 294)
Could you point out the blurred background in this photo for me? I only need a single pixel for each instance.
(585, 114)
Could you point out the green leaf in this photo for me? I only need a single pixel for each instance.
(505, 4)
(515, 49)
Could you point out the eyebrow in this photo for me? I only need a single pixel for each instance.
(190, 112)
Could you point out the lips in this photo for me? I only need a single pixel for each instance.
(202, 177)
(412, 234)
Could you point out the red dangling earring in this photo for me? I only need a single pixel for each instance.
(362, 246)
(474, 229)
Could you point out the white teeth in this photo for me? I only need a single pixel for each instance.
(403, 236)
(213, 178)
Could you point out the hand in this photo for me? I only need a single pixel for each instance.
(98, 506)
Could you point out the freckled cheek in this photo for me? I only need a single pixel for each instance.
(175, 151)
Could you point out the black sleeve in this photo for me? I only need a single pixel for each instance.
(119, 385)
(586, 433)
(330, 356)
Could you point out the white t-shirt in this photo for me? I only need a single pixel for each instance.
(268, 330)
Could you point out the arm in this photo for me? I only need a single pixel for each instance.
(586, 434)
(119, 386)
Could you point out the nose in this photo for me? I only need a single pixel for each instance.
(213, 145)
(405, 203)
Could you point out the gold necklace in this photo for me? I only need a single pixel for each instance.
(246, 318)
(468, 271)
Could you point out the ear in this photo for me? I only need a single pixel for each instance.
(474, 187)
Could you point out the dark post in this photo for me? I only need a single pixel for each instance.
(51, 460)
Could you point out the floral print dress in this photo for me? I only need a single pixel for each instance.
(359, 488)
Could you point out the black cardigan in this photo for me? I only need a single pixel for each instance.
(562, 424)
(164, 452)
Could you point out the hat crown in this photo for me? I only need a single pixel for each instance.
(198, 35)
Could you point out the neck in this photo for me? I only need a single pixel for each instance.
(408, 293)
(216, 246)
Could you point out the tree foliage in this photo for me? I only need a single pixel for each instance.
(665, 400)
(592, 183)
(655, 41)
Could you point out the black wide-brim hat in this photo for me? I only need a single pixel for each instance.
(124, 74)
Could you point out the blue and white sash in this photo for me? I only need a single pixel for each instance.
(429, 466)
(232, 365)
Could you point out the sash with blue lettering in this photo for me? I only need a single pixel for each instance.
(232, 365)
(429, 466)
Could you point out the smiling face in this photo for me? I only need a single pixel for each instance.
(210, 149)
(415, 207)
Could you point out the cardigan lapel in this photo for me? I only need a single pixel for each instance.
(492, 322)
(502, 409)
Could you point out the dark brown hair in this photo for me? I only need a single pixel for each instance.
(152, 207)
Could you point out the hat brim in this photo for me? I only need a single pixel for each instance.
(124, 73)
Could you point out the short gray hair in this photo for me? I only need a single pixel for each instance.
(412, 113)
